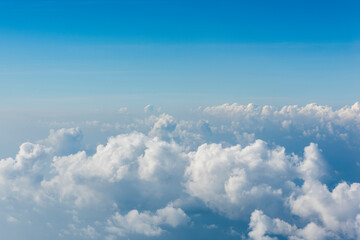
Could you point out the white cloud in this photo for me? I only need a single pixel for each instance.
(200, 167)
(64, 141)
(262, 227)
(310, 111)
(21, 176)
(146, 223)
(313, 166)
(210, 226)
(11, 219)
(122, 110)
(234, 180)
(129, 157)
(236, 109)
(163, 127)
(161, 161)
(311, 121)
(338, 210)
(334, 214)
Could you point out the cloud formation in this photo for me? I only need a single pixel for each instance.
(234, 180)
(231, 164)
(146, 223)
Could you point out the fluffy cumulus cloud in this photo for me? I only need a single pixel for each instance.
(132, 158)
(226, 172)
(320, 121)
(233, 180)
(337, 211)
(146, 223)
(328, 214)
(21, 176)
(64, 141)
(308, 112)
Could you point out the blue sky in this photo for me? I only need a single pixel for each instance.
(183, 21)
(159, 51)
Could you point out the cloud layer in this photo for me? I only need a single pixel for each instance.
(247, 171)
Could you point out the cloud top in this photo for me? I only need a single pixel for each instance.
(233, 166)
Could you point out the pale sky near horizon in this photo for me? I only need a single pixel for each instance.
(183, 54)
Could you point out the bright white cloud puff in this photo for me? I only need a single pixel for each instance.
(146, 223)
(166, 177)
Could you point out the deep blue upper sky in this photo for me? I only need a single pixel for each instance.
(163, 22)
(160, 51)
